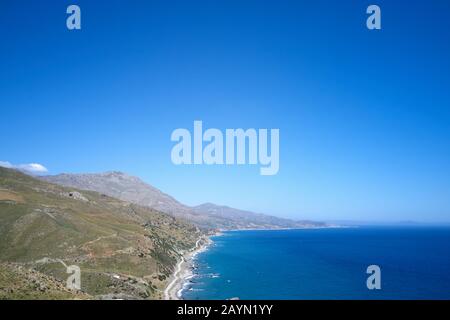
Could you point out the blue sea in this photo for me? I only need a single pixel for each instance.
(324, 264)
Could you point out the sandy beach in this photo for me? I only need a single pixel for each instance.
(183, 270)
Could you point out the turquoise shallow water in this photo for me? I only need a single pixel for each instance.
(324, 264)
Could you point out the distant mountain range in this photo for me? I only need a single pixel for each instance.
(132, 189)
(248, 219)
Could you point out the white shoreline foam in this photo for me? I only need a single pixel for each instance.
(183, 271)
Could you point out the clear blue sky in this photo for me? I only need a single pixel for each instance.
(363, 115)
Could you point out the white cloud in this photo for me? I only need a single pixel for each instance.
(28, 167)
(5, 164)
(33, 167)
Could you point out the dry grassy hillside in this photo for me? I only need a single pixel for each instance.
(123, 250)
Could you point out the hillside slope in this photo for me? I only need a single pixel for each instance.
(132, 189)
(18, 282)
(123, 250)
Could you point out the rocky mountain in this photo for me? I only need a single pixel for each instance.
(122, 186)
(123, 250)
(134, 190)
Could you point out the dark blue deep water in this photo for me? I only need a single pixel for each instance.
(325, 264)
